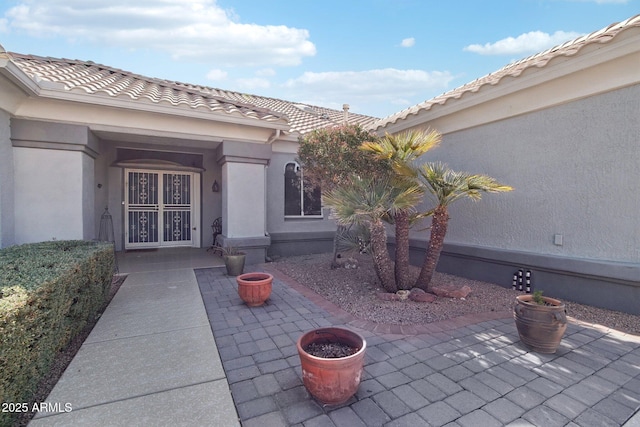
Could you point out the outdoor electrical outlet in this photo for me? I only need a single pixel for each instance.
(557, 239)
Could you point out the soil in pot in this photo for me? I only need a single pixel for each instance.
(330, 350)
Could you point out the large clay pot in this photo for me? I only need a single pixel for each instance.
(540, 327)
(254, 288)
(332, 381)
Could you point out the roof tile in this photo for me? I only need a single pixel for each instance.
(90, 78)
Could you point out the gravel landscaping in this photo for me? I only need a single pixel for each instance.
(356, 291)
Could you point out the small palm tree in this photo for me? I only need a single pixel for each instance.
(367, 202)
(401, 150)
(446, 186)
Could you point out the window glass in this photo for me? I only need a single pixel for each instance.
(300, 199)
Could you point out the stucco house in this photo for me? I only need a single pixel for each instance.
(167, 158)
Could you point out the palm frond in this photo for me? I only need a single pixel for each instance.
(354, 239)
(447, 185)
(366, 200)
(404, 147)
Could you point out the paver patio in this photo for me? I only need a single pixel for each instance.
(471, 371)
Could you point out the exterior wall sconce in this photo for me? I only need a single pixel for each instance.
(215, 187)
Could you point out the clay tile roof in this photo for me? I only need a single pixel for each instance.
(99, 80)
(515, 69)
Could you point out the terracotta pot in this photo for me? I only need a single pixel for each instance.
(234, 264)
(540, 327)
(332, 381)
(254, 288)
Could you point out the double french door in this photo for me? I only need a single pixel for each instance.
(159, 209)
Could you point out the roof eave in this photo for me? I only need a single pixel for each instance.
(18, 77)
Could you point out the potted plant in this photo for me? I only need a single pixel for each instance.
(541, 321)
(332, 360)
(254, 288)
(233, 259)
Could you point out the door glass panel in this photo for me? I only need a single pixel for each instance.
(143, 188)
(143, 207)
(176, 197)
(143, 226)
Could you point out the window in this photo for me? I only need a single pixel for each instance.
(300, 200)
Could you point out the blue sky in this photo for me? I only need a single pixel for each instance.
(379, 56)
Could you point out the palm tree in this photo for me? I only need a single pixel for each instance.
(367, 201)
(446, 186)
(401, 150)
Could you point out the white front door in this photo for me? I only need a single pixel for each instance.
(159, 208)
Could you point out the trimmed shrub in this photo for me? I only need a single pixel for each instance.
(48, 293)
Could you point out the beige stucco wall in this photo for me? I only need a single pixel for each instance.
(7, 237)
(49, 195)
(54, 181)
(574, 168)
(243, 200)
(276, 221)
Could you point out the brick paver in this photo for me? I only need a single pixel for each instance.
(468, 371)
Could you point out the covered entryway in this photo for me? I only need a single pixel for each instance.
(161, 208)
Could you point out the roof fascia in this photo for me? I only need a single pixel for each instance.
(18, 77)
(55, 92)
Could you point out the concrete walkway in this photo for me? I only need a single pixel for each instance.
(151, 360)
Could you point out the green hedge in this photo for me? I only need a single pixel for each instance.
(48, 293)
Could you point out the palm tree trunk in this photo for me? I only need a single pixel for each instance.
(402, 251)
(334, 261)
(381, 260)
(439, 223)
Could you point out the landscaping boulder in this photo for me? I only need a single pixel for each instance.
(418, 295)
(462, 292)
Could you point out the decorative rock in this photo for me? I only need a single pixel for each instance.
(418, 295)
(463, 292)
(403, 294)
(350, 263)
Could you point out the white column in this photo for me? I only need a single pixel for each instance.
(243, 199)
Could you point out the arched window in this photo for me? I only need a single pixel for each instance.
(300, 199)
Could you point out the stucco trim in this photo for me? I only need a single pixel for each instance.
(627, 273)
(86, 149)
(156, 165)
(243, 152)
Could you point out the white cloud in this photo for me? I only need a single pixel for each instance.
(196, 30)
(409, 42)
(361, 89)
(266, 72)
(531, 42)
(217, 75)
(252, 84)
(4, 26)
